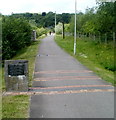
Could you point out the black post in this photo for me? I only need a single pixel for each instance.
(63, 30)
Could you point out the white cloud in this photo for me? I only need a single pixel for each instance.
(19, 6)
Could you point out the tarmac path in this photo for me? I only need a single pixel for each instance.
(64, 88)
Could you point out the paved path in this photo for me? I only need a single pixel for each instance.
(66, 89)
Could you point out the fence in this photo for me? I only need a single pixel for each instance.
(101, 38)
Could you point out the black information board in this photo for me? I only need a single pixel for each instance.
(16, 69)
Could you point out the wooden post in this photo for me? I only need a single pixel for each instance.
(63, 30)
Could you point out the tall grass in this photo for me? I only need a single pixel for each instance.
(97, 57)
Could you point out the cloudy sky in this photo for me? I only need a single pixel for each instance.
(38, 6)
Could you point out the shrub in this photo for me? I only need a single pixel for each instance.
(16, 35)
(41, 31)
(59, 28)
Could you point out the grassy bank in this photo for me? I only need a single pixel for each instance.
(17, 106)
(28, 53)
(97, 57)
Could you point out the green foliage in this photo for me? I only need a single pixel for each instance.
(16, 35)
(67, 27)
(105, 16)
(33, 24)
(41, 31)
(45, 19)
(65, 17)
(102, 54)
(59, 28)
(99, 21)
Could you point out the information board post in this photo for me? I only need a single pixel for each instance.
(16, 75)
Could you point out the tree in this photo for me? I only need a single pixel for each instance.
(105, 17)
(65, 19)
(43, 13)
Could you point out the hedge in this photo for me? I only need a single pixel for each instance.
(16, 34)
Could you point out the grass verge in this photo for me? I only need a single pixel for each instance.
(28, 53)
(97, 57)
(17, 106)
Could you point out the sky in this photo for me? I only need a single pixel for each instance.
(8, 7)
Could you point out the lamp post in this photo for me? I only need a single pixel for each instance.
(55, 23)
(75, 36)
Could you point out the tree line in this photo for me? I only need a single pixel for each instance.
(100, 21)
(46, 20)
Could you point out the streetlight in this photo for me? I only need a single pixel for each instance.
(75, 35)
(55, 23)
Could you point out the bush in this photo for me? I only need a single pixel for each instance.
(16, 35)
(41, 31)
(59, 28)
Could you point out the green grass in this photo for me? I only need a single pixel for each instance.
(17, 106)
(29, 54)
(97, 57)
